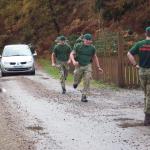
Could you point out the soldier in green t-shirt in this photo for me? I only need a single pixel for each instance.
(60, 59)
(82, 56)
(142, 49)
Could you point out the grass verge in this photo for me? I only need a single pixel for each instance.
(54, 72)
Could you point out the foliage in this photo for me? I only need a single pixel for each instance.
(114, 10)
(72, 39)
(40, 21)
(27, 21)
(107, 42)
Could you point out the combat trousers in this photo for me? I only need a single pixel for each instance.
(144, 75)
(63, 69)
(85, 73)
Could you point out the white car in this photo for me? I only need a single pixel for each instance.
(17, 59)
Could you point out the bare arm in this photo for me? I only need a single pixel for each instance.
(69, 61)
(53, 59)
(95, 60)
(132, 60)
(72, 57)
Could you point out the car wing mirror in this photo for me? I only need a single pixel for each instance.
(0, 56)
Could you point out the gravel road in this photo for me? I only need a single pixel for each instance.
(34, 115)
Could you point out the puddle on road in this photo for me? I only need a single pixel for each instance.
(45, 78)
(127, 124)
(123, 119)
(34, 128)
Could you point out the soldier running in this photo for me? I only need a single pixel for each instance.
(82, 56)
(60, 59)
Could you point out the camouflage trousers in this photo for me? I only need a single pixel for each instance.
(63, 69)
(144, 75)
(85, 73)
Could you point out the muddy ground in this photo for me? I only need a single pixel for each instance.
(34, 115)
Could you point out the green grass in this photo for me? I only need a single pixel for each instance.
(102, 85)
(54, 72)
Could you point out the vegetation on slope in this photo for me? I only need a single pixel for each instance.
(40, 21)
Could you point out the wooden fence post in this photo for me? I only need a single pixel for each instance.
(120, 61)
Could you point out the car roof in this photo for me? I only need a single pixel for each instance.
(16, 45)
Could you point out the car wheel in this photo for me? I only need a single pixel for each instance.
(33, 72)
(3, 74)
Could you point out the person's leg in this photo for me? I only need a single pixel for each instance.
(62, 78)
(66, 70)
(147, 102)
(78, 73)
(143, 82)
(148, 95)
(86, 82)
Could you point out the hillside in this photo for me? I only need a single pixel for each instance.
(40, 21)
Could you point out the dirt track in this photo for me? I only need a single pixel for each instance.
(35, 115)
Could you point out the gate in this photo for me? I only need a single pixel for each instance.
(112, 53)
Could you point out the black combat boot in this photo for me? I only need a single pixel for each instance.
(147, 120)
(63, 90)
(75, 86)
(84, 99)
(2, 90)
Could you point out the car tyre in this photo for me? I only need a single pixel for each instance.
(3, 74)
(33, 72)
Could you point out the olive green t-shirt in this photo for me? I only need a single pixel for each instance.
(142, 49)
(84, 53)
(62, 52)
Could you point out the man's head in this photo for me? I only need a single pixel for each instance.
(147, 31)
(62, 39)
(87, 39)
